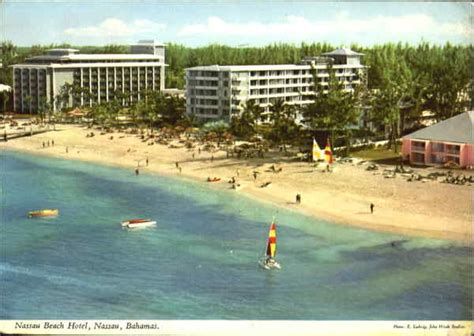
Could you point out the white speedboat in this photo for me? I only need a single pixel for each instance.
(138, 223)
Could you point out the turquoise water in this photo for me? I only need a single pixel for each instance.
(200, 261)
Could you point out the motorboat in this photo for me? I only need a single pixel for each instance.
(137, 223)
(44, 213)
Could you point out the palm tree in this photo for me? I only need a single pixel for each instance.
(28, 100)
(173, 110)
(284, 128)
(43, 108)
(5, 98)
(334, 109)
(245, 125)
(8, 57)
(190, 120)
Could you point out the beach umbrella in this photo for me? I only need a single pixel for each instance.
(5, 88)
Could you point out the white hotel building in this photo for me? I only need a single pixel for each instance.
(218, 92)
(40, 78)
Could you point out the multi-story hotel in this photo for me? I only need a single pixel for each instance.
(100, 76)
(218, 92)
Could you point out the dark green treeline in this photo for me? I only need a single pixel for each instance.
(442, 73)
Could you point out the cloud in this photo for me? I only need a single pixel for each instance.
(112, 27)
(298, 27)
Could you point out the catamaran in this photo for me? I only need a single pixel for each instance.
(268, 261)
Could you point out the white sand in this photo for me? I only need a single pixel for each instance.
(429, 209)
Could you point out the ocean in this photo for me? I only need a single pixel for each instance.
(200, 260)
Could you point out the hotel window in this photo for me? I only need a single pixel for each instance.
(418, 146)
(418, 157)
(437, 147)
(437, 158)
(453, 149)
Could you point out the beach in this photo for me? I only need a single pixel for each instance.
(431, 209)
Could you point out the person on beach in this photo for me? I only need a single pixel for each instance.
(146, 161)
(137, 171)
(193, 156)
(212, 158)
(52, 143)
(44, 145)
(298, 198)
(372, 208)
(177, 164)
(255, 176)
(199, 150)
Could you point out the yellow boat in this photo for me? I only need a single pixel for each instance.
(43, 213)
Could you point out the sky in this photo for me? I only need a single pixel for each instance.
(235, 23)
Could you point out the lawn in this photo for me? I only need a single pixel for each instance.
(377, 154)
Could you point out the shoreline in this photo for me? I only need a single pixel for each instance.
(342, 197)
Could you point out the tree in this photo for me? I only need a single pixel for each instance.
(448, 93)
(334, 108)
(44, 109)
(284, 128)
(5, 98)
(62, 99)
(99, 114)
(8, 53)
(173, 110)
(395, 92)
(245, 125)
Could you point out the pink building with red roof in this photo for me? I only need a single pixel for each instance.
(450, 140)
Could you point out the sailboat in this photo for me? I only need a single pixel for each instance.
(268, 261)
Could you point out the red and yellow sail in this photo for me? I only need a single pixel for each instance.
(328, 153)
(271, 244)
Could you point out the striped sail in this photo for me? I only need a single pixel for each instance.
(272, 239)
(328, 153)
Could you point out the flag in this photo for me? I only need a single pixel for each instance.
(328, 152)
(316, 151)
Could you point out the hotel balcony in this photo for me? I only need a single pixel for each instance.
(419, 149)
(453, 151)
